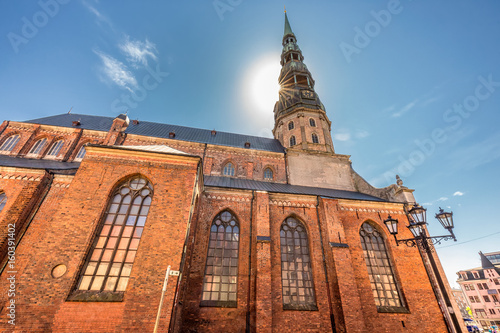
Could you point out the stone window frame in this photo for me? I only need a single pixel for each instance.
(55, 148)
(126, 239)
(292, 141)
(291, 125)
(389, 268)
(7, 143)
(229, 172)
(228, 263)
(315, 138)
(36, 150)
(312, 122)
(305, 262)
(271, 169)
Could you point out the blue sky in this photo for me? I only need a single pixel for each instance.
(411, 87)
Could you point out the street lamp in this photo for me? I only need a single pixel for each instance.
(416, 223)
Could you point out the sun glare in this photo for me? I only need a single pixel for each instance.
(261, 85)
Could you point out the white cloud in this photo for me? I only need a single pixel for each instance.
(442, 199)
(98, 14)
(342, 136)
(405, 109)
(137, 51)
(458, 193)
(360, 134)
(117, 72)
(427, 204)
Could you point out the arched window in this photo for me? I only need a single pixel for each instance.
(81, 153)
(291, 125)
(292, 141)
(3, 200)
(312, 122)
(38, 146)
(296, 273)
(113, 252)
(56, 148)
(380, 272)
(268, 174)
(315, 138)
(10, 143)
(221, 270)
(228, 169)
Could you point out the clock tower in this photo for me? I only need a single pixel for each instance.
(301, 122)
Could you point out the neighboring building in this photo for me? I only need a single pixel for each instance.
(494, 257)
(462, 304)
(481, 287)
(262, 235)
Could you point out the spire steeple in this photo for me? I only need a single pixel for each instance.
(297, 98)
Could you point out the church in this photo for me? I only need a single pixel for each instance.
(113, 225)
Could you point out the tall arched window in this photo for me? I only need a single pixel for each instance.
(384, 286)
(10, 143)
(38, 146)
(291, 125)
(3, 200)
(113, 252)
(312, 122)
(228, 169)
(268, 174)
(221, 270)
(315, 138)
(292, 141)
(56, 148)
(81, 153)
(296, 273)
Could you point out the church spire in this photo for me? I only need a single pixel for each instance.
(297, 98)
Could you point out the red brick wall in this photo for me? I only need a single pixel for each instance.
(63, 230)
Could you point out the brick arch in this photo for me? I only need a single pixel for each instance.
(11, 134)
(269, 166)
(34, 141)
(226, 162)
(380, 228)
(79, 146)
(125, 178)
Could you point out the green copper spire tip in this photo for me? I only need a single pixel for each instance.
(288, 29)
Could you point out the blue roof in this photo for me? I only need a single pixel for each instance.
(159, 130)
(247, 184)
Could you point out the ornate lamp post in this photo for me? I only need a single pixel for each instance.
(417, 221)
(424, 242)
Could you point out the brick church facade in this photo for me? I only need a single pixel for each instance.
(267, 235)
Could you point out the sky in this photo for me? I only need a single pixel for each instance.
(411, 87)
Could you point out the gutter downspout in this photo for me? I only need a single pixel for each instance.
(32, 214)
(248, 324)
(328, 293)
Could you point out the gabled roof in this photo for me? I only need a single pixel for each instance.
(159, 130)
(247, 184)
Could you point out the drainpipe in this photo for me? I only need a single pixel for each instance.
(165, 282)
(328, 293)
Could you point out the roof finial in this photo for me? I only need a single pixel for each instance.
(69, 112)
(285, 8)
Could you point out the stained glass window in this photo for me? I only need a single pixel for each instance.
(296, 273)
(384, 286)
(114, 249)
(221, 270)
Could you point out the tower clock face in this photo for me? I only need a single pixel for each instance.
(307, 94)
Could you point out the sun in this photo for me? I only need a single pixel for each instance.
(261, 85)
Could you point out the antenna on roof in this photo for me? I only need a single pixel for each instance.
(69, 112)
(126, 112)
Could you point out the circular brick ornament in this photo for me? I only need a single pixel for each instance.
(59, 271)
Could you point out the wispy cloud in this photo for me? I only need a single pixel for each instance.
(100, 17)
(137, 52)
(405, 109)
(442, 199)
(342, 136)
(458, 193)
(361, 134)
(345, 134)
(117, 72)
(477, 154)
